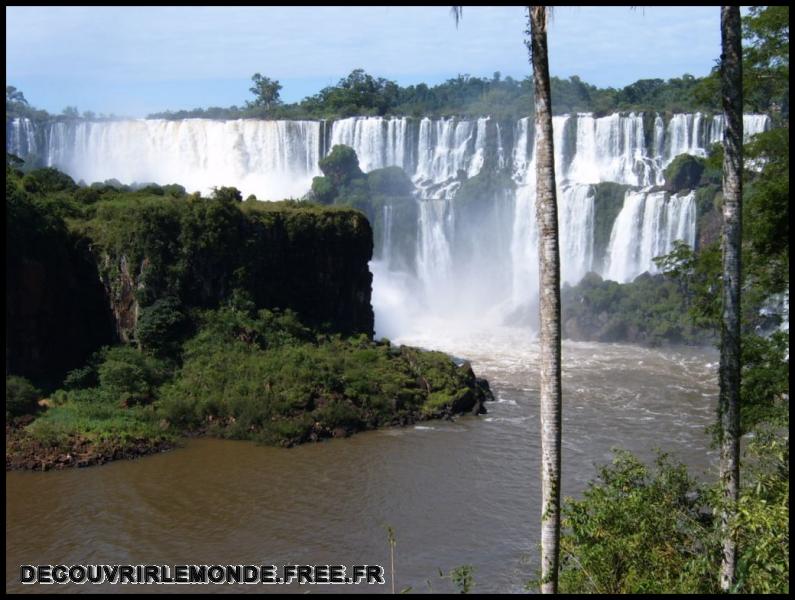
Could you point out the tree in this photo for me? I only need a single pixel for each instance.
(549, 300)
(266, 92)
(766, 59)
(729, 400)
(227, 194)
(13, 95)
(549, 297)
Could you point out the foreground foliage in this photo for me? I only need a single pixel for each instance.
(641, 529)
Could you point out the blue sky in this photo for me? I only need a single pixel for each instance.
(136, 60)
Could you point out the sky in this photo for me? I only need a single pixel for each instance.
(132, 61)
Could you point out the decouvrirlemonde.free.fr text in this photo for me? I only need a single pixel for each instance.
(201, 574)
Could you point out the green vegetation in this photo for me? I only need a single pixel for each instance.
(638, 530)
(247, 374)
(684, 173)
(344, 184)
(206, 293)
(266, 93)
(651, 310)
(642, 529)
(21, 397)
(502, 97)
(266, 376)
(650, 530)
(653, 530)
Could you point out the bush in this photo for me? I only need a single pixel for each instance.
(638, 530)
(227, 194)
(47, 180)
(323, 190)
(21, 397)
(269, 377)
(127, 376)
(161, 326)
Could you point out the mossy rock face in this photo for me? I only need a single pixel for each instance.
(390, 181)
(710, 219)
(684, 173)
(608, 202)
(56, 309)
(386, 197)
(477, 193)
(341, 165)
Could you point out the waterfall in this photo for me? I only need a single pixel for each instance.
(576, 214)
(386, 247)
(272, 159)
(457, 259)
(434, 256)
(500, 149)
(647, 227)
(752, 124)
(476, 162)
(21, 139)
(378, 142)
(446, 147)
(522, 148)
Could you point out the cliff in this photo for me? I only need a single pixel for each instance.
(71, 290)
(283, 255)
(56, 313)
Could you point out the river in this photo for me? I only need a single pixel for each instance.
(456, 493)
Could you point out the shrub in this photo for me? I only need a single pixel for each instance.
(21, 397)
(162, 326)
(638, 530)
(128, 376)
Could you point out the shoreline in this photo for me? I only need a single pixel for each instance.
(26, 453)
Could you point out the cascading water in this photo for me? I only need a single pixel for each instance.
(477, 263)
(21, 138)
(646, 227)
(386, 248)
(435, 258)
(254, 156)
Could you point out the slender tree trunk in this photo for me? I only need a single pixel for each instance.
(729, 410)
(549, 291)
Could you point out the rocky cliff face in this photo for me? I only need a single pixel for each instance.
(70, 292)
(56, 312)
(281, 255)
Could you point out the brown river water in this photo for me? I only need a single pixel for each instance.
(456, 493)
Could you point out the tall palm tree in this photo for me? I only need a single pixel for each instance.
(549, 300)
(728, 406)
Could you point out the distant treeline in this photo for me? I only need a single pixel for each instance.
(362, 94)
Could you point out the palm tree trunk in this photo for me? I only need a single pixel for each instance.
(728, 408)
(549, 292)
